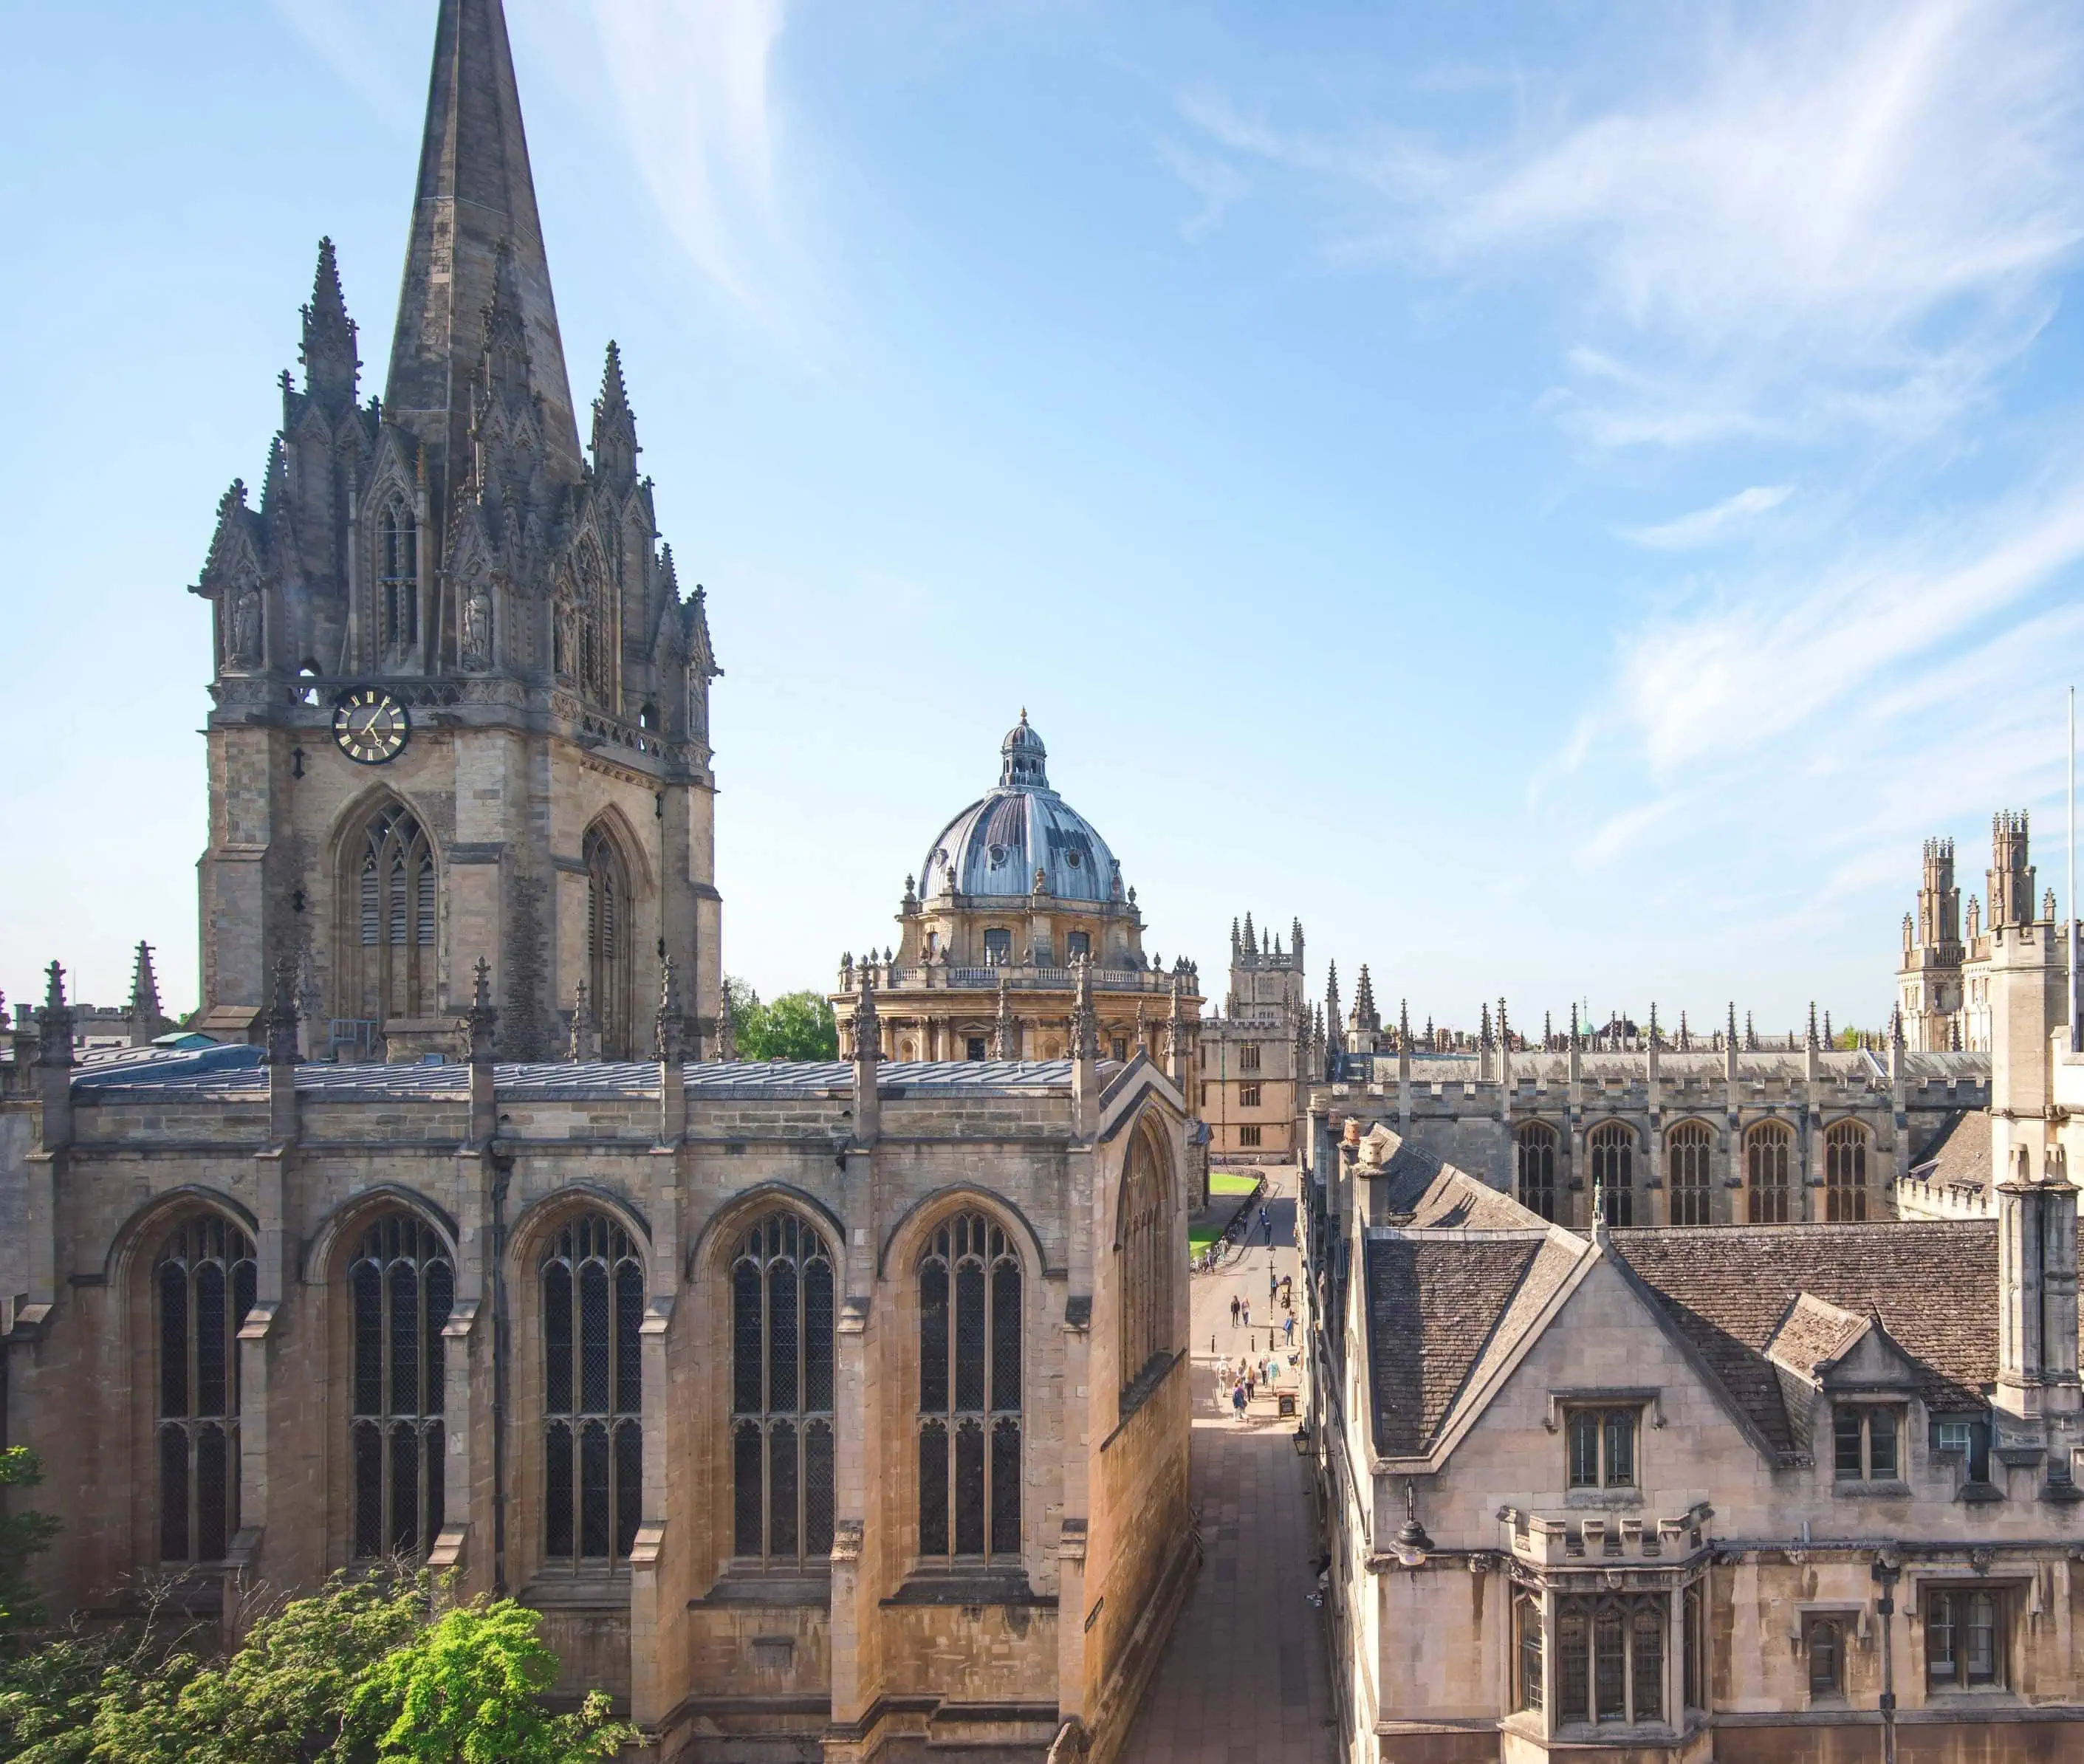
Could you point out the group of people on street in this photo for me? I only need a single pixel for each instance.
(1238, 1382)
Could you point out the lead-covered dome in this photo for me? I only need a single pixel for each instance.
(995, 845)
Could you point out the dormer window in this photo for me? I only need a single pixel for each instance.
(1969, 1436)
(1867, 1443)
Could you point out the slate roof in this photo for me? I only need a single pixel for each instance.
(1958, 1156)
(1444, 1312)
(207, 1073)
(1729, 1291)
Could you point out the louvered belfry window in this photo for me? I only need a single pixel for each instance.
(402, 1285)
(608, 945)
(592, 1290)
(782, 1287)
(203, 1287)
(969, 1393)
(398, 574)
(390, 953)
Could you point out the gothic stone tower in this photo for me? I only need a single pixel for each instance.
(461, 706)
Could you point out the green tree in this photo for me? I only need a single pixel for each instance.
(797, 1025)
(23, 1535)
(469, 1689)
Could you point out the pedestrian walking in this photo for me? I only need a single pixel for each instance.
(1251, 1382)
(1272, 1288)
(1233, 1310)
(1247, 1313)
(1290, 1326)
(1237, 1400)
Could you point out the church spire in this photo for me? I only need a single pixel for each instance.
(475, 195)
(614, 448)
(332, 367)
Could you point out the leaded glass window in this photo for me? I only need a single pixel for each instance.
(592, 1289)
(401, 1285)
(1144, 1257)
(783, 1315)
(1610, 1659)
(1688, 1150)
(1534, 1152)
(1769, 1150)
(202, 1283)
(970, 1372)
(1612, 1146)
(1845, 1174)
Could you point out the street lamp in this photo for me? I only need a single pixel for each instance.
(1411, 1543)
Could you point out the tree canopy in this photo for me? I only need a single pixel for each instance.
(797, 1025)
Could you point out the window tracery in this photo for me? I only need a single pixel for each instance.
(591, 1286)
(970, 1373)
(609, 952)
(1612, 1145)
(1845, 1174)
(1768, 1150)
(783, 1319)
(402, 1285)
(398, 582)
(203, 1286)
(1689, 1158)
(1534, 1153)
(1145, 1261)
(388, 944)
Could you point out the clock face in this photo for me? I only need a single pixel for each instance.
(370, 726)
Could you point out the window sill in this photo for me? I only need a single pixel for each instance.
(1889, 1491)
(1980, 1493)
(1954, 1696)
(974, 1586)
(608, 1591)
(752, 1587)
(1594, 1499)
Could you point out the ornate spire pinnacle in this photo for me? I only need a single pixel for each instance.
(867, 1026)
(474, 193)
(1573, 1023)
(1175, 1025)
(146, 1018)
(671, 1025)
(332, 367)
(1810, 1038)
(1005, 1033)
(583, 1042)
(54, 1022)
(1483, 1028)
(480, 1022)
(281, 1019)
(1084, 1025)
(614, 448)
(1365, 1017)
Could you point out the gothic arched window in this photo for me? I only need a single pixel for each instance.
(1689, 1153)
(1845, 1174)
(401, 1284)
(782, 1318)
(1533, 1154)
(608, 942)
(1612, 1146)
(398, 582)
(592, 1291)
(596, 632)
(969, 1393)
(388, 962)
(203, 1283)
(1143, 1253)
(1768, 1149)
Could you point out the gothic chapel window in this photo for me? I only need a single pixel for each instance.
(390, 946)
(398, 582)
(1612, 1146)
(1686, 1177)
(401, 1284)
(1845, 1174)
(202, 1283)
(1533, 1150)
(782, 1320)
(1768, 1152)
(592, 1293)
(608, 944)
(969, 1393)
(1145, 1262)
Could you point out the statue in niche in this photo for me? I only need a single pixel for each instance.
(242, 624)
(476, 645)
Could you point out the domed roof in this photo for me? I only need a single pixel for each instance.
(995, 845)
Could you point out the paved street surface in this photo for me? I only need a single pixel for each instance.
(1243, 1680)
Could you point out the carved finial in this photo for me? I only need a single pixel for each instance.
(481, 1023)
(867, 1026)
(1085, 1025)
(671, 1025)
(1005, 1033)
(583, 1043)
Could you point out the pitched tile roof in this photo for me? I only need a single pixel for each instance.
(1958, 1156)
(1443, 1312)
(1729, 1291)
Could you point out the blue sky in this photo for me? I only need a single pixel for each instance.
(1563, 498)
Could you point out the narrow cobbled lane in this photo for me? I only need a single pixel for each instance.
(1244, 1679)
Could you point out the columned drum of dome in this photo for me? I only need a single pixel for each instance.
(1014, 895)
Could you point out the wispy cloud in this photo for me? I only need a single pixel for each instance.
(1705, 526)
(694, 84)
(1840, 217)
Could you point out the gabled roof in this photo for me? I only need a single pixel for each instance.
(1958, 1156)
(1752, 1301)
